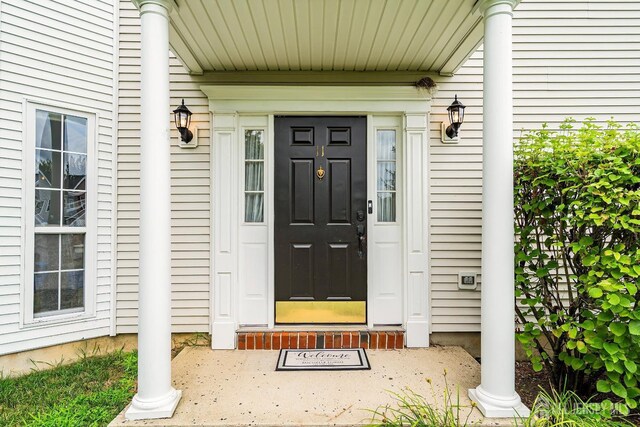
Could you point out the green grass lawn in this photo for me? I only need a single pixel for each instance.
(90, 392)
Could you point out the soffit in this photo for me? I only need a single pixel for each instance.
(434, 36)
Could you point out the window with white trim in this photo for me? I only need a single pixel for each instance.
(254, 175)
(386, 174)
(59, 162)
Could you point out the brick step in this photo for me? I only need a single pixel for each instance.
(276, 340)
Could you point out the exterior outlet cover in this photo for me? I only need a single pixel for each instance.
(443, 135)
(467, 281)
(191, 144)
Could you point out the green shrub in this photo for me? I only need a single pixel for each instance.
(577, 209)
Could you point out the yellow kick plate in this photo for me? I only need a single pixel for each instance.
(321, 312)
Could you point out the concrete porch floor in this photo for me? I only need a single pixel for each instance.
(242, 388)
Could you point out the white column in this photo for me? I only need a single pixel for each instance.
(496, 396)
(156, 398)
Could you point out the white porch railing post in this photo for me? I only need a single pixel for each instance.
(156, 398)
(496, 396)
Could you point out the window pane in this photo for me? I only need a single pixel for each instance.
(72, 251)
(61, 143)
(386, 207)
(386, 142)
(46, 250)
(386, 175)
(47, 169)
(45, 292)
(74, 208)
(253, 144)
(48, 130)
(71, 289)
(75, 134)
(254, 176)
(75, 171)
(254, 207)
(47, 212)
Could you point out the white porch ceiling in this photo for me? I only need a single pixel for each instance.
(324, 35)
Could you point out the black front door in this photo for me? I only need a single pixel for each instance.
(320, 219)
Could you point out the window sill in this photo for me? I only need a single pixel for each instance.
(54, 320)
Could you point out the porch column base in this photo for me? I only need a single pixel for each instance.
(163, 407)
(417, 334)
(498, 406)
(223, 336)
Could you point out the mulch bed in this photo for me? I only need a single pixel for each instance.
(529, 382)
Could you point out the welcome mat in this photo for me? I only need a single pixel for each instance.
(323, 360)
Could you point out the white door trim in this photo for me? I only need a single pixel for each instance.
(230, 105)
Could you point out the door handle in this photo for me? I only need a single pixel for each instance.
(360, 231)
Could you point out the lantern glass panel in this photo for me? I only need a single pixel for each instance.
(455, 115)
(184, 120)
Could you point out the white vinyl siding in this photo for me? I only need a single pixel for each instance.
(59, 54)
(571, 58)
(190, 189)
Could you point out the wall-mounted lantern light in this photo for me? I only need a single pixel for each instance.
(182, 116)
(456, 118)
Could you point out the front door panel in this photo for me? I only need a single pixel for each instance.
(320, 204)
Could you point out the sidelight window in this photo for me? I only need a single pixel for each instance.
(386, 175)
(57, 231)
(254, 175)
